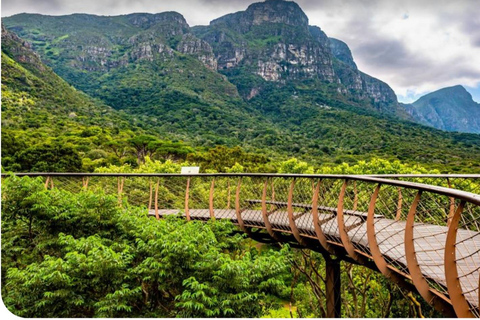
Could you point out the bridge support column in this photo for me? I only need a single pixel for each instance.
(334, 302)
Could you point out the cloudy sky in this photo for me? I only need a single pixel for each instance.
(416, 46)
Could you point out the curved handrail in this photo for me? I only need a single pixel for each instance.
(475, 198)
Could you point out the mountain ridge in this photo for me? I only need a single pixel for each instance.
(451, 109)
(129, 38)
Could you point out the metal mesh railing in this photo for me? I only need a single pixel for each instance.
(464, 182)
(423, 229)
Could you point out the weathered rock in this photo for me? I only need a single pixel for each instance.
(273, 40)
(342, 52)
(274, 37)
(198, 48)
(270, 11)
(174, 22)
(20, 49)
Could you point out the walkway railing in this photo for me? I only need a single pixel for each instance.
(425, 233)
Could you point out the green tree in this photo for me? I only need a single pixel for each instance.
(294, 165)
(49, 158)
(144, 145)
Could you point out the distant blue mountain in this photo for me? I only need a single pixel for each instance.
(450, 109)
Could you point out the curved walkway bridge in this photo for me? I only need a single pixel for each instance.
(421, 231)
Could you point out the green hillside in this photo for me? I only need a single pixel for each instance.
(135, 63)
(323, 128)
(44, 119)
(153, 69)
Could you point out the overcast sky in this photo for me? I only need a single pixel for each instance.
(416, 46)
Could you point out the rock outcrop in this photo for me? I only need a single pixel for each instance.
(273, 39)
(20, 50)
(108, 42)
(342, 52)
(198, 48)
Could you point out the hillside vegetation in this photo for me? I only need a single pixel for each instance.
(146, 85)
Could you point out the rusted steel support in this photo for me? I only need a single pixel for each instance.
(120, 181)
(156, 200)
(438, 300)
(451, 211)
(187, 195)
(355, 196)
(316, 220)
(272, 206)
(399, 205)
(228, 197)
(150, 198)
(333, 292)
(460, 304)
(342, 229)
(210, 202)
(85, 182)
(267, 223)
(291, 218)
(377, 255)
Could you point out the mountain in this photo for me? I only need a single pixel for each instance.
(268, 42)
(148, 65)
(450, 109)
(342, 52)
(213, 85)
(272, 41)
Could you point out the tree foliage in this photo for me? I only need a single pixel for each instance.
(49, 158)
(80, 255)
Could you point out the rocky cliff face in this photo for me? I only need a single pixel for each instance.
(101, 43)
(20, 50)
(342, 52)
(270, 11)
(450, 109)
(356, 82)
(130, 61)
(198, 48)
(273, 40)
(168, 24)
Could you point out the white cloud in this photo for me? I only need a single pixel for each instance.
(414, 46)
